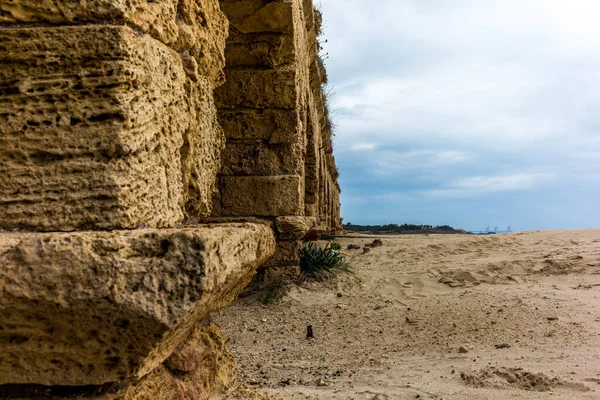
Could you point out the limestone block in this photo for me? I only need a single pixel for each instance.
(202, 32)
(294, 228)
(274, 126)
(93, 125)
(229, 220)
(319, 230)
(258, 88)
(259, 49)
(195, 27)
(157, 16)
(199, 368)
(311, 209)
(243, 158)
(281, 274)
(287, 253)
(86, 308)
(217, 204)
(262, 195)
(201, 152)
(249, 16)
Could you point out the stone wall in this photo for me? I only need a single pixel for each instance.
(122, 125)
(108, 118)
(278, 160)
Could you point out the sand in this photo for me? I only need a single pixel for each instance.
(421, 318)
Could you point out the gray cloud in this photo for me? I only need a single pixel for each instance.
(445, 109)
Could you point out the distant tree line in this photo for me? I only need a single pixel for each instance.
(403, 229)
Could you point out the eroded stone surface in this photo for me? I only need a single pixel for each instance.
(228, 220)
(202, 30)
(196, 28)
(274, 115)
(95, 122)
(287, 253)
(281, 273)
(261, 195)
(259, 88)
(294, 228)
(274, 126)
(200, 367)
(87, 308)
(251, 16)
(265, 49)
(241, 158)
(111, 124)
(201, 154)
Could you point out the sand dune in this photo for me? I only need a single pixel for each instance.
(422, 316)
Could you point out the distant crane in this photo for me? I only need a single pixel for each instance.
(496, 229)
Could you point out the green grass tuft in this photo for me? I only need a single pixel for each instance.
(335, 246)
(318, 262)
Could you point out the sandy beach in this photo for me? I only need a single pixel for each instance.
(512, 316)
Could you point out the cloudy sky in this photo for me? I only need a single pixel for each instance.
(467, 112)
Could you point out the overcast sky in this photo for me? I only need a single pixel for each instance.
(467, 112)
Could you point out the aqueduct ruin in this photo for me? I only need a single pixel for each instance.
(153, 155)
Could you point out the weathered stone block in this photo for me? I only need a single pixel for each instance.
(202, 31)
(248, 16)
(217, 204)
(87, 308)
(157, 16)
(201, 152)
(197, 28)
(262, 195)
(287, 253)
(281, 274)
(232, 220)
(259, 49)
(200, 368)
(311, 209)
(274, 126)
(258, 88)
(93, 126)
(243, 158)
(294, 228)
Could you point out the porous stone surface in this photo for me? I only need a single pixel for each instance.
(108, 127)
(293, 227)
(278, 159)
(194, 28)
(259, 88)
(228, 220)
(273, 111)
(262, 49)
(201, 154)
(261, 195)
(88, 308)
(281, 273)
(101, 129)
(202, 30)
(259, 158)
(200, 367)
(273, 126)
(251, 16)
(287, 253)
